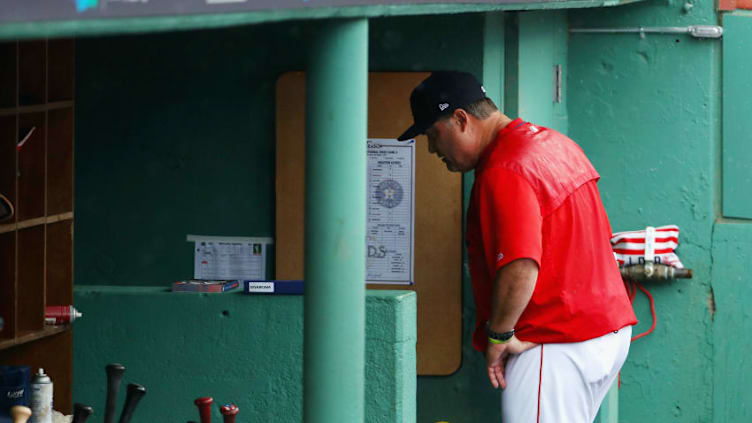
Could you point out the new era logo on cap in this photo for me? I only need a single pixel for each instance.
(443, 106)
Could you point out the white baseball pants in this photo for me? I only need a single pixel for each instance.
(563, 383)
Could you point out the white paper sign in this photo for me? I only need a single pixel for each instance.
(391, 211)
(228, 258)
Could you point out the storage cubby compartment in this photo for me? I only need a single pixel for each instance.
(8, 74)
(8, 158)
(60, 161)
(7, 284)
(36, 245)
(31, 166)
(30, 283)
(32, 72)
(54, 353)
(60, 72)
(60, 263)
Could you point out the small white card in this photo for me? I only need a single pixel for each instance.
(229, 258)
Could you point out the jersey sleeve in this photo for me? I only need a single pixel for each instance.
(510, 219)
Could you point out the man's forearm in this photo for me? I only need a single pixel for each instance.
(513, 287)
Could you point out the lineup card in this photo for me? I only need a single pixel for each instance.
(229, 258)
(391, 211)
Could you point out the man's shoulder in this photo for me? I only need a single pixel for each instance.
(552, 163)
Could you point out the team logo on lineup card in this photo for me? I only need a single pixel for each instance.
(389, 193)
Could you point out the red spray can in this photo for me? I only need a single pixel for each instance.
(60, 314)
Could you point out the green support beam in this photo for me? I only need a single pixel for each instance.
(335, 223)
(609, 411)
(493, 57)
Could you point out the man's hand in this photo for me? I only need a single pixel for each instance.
(497, 355)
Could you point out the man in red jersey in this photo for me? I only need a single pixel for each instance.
(553, 317)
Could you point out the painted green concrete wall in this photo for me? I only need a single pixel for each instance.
(648, 113)
(737, 102)
(733, 321)
(234, 348)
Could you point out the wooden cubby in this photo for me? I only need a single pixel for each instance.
(36, 244)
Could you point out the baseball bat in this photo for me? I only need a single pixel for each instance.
(229, 411)
(133, 395)
(114, 376)
(20, 413)
(81, 412)
(204, 408)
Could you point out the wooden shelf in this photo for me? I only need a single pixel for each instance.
(28, 336)
(30, 223)
(36, 244)
(36, 108)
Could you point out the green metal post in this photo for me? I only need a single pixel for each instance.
(493, 57)
(609, 411)
(335, 223)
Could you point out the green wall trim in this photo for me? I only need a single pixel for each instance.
(737, 127)
(493, 57)
(233, 347)
(93, 27)
(731, 296)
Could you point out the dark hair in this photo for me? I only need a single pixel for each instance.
(481, 109)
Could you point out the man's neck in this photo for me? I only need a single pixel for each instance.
(490, 128)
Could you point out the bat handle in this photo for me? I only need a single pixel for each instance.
(20, 413)
(114, 376)
(134, 394)
(204, 408)
(81, 412)
(229, 411)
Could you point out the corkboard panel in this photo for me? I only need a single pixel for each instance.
(438, 212)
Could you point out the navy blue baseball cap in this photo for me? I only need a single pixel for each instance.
(439, 95)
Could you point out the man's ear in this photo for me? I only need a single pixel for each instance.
(462, 118)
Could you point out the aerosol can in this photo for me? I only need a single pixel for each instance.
(41, 398)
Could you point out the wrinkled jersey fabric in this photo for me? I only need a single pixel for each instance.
(535, 196)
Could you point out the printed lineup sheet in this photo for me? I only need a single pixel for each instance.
(229, 258)
(391, 211)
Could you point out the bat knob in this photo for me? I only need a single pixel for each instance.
(81, 412)
(20, 413)
(115, 367)
(204, 408)
(228, 412)
(133, 395)
(203, 401)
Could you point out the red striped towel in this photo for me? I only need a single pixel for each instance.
(629, 247)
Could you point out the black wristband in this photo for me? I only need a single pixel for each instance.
(499, 336)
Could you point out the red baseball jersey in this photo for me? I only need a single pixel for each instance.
(535, 196)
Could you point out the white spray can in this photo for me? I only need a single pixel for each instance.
(41, 398)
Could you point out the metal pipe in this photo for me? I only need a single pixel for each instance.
(654, 271)
(335, 223)
(697, 31)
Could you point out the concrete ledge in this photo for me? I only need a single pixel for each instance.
(233, 347)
